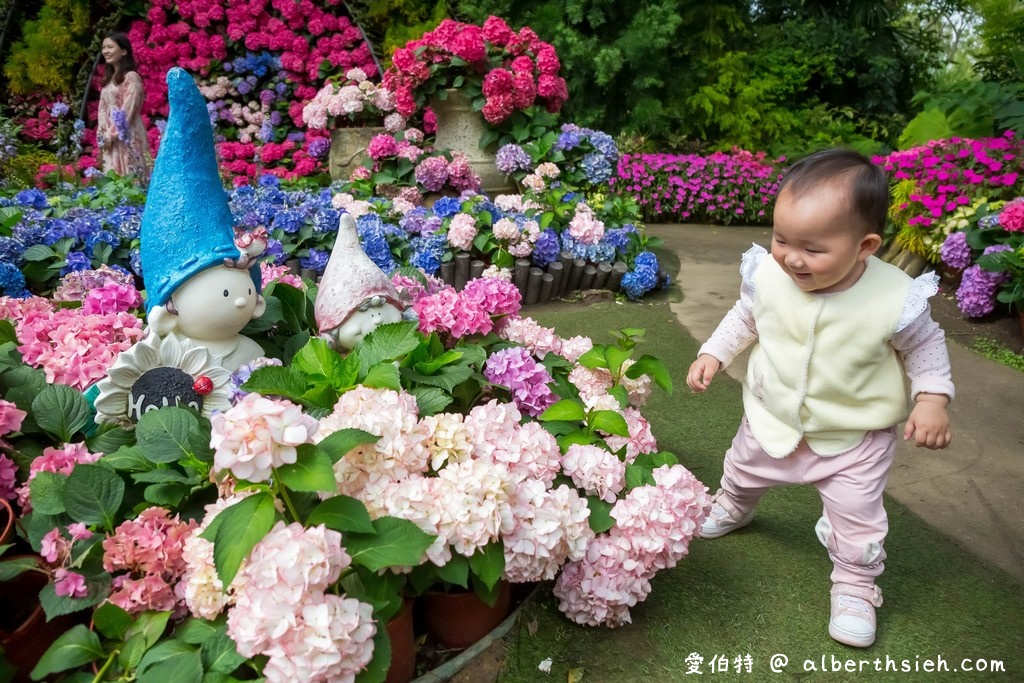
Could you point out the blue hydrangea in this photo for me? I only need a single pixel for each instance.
(596, 167)
(326, 220)
(429, 250)
(266, 180)
(101, 237)
(317, 260)
(12, 282)
(618, 238)
(447, 206)
(289, 221)
(639, 281)
(126, 221)
(76, 260)
(29, 232)
(414, 221)
(646, 259)
(275, 251)
(546, 248)
(496, 213)
(32, 197)
(135, 262)
(371, 231)
(10, 250)
(604, 144)
(568, 139)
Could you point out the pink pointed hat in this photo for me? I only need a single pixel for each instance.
(350, 278)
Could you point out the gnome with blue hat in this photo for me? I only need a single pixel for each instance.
(200, 284)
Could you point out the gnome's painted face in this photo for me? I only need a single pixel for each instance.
(368, 316)
(216, 303)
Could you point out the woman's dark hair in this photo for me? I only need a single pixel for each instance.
(127, 62)
(867, 184)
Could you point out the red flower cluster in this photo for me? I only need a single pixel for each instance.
(513, 71)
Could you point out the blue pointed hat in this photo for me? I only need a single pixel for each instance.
(187, 225)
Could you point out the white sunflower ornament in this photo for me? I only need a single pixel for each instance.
(158, 372)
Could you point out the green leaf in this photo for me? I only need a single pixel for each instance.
(317, 358)
(397, 543)
(601, 519)
(638, 476)
(110, 440)
(171, 661)
(455, 571)
(275, 380)
(312, 471)
(566, 409)
(388, 342)
(431, 400)
(128, 459)
(47, 489)
(149, 626)
(61, 411)
(488, 564)
(112, 621)
(649, 365)
(241, 527)
(614, 357)
(434, 364)
(93, 495)
(7, 332)
(74, 648)
(163, 476)
(97, 590)
(594, 358)
(163, 435)
(342, 513)
(383, 376)
(620, 394)
(16, 566)
(376, 670)
(220, 654)
(38, 252)
(579, 436)
(339, 443)
(448, 378)
(195, 631)
(610, 422)
(167, 495)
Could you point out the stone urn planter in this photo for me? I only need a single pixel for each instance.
(459, 129)
(348, 149)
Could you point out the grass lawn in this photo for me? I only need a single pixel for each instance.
(764, 590)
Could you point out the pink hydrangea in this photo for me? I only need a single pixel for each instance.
(461, 175)
(600, 588)
(448, 439)
(394, 417)
(414, 499)
(436, 312)
(258, 434)
(1012, 216)
(640, 440)
(525, 378)
(69, 584)
(473, 497)
(150, 550)
(659, 521)
(291, 561)
(382, 146)
(76, 285)
(113, 297)
(10, 417)
(492, 427)
(506, 229)
(571, 349)
(272, 273)
(639, 389)
(432, 173)
(595, 470)
(8, 478)
(585, 226)
(532, 453)
(592, 383)
(494, 296)
(551, 527)
(54, 548)
(462, 231)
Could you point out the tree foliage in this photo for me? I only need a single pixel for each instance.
(51, 48)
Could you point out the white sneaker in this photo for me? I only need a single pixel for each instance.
(720, 521)
(853, 618)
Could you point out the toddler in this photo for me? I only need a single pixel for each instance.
(835, 329)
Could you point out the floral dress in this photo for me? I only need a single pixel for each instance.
(120, 133)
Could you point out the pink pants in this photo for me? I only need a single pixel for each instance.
(854, 523)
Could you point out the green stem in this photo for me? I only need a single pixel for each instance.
(107, 665)
(287, 500)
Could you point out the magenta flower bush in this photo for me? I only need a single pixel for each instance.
(722, 188)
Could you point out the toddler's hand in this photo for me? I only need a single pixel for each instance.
(929, 423)
(701, 371)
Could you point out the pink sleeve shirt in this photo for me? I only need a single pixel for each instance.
(919, 341)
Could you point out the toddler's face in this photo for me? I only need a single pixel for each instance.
(817, 243)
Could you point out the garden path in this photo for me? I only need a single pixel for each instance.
(970, 491)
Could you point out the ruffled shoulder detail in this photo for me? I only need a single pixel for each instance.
(922, 288)
(749, 263)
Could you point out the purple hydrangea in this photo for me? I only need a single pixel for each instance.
(59, 109)
(526, 379)
(954, 252)
(316, 259)
(318, 148)
(976, 296)
(512, 158)
(432, 173)
(546, 249)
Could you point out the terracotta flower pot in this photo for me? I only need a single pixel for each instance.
(403, 646)
(457, 620)
(24, 632)
(6, 521)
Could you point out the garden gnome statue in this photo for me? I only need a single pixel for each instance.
(200, 284)
(355, 296)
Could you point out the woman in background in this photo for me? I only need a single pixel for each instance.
(120, 133)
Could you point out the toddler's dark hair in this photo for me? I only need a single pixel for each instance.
(868, 186)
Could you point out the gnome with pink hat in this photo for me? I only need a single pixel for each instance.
(355, 296)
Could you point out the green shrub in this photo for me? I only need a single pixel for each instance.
(51, 49)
